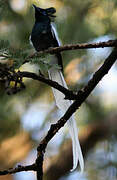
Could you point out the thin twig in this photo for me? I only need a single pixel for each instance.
(68, 93)
(19, 168)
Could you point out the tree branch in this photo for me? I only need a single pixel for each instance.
(68, 93)
(81, 97)
(19, 168)
(8, 76)
(110, 43)
(100, 130)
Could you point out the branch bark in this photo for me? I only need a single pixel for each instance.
(93, 133)
(68, 93)
(81, 97)
(83, 94)
(110, 43)
(19, 168)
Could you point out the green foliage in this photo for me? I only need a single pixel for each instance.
(19, 56)
(3, 5)
(44, 62)
(80, 21)
(77, 21)
(4, 45)
(9, 121)
(6, 53)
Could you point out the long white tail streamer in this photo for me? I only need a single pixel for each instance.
(63, 105)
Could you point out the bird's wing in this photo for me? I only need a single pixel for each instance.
(55, 34)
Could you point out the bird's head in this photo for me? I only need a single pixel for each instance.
(48, 12)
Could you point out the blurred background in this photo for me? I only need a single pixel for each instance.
(26, 117)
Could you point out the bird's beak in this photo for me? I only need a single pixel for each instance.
(51, 11)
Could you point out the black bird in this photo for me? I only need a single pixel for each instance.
(44, 36)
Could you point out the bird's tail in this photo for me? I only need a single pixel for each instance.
(63, 105)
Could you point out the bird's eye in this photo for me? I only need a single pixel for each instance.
(44, 13)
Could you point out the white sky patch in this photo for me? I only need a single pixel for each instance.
(100, 53)
(33, 119)
(109, 82)
(35, 115)
(18, 5)
(27, 175)
(75, 176)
